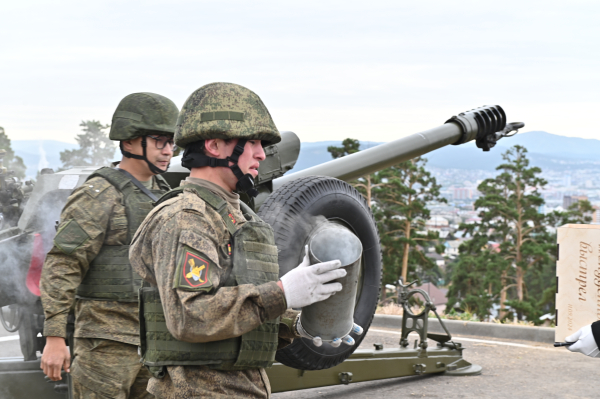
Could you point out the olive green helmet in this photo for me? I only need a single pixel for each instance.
(141, 114)
(224, 111)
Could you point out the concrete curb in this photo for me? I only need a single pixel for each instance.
(479, 329)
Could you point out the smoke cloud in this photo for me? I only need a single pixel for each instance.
(333, 241)
(16, 243)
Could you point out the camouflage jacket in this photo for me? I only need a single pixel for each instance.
(208, 313)
(97, 208)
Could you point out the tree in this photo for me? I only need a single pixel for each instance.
(401, 211)
(365, 184)
(476, 276)
(349, 146)
(95, 148)
(11, 161)
(578, 213)
(509, 216)
(540, 281)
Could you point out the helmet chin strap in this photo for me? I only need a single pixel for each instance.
(153, 168)
(245, 181)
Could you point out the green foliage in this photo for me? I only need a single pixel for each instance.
(11, 161)
(95, 148)
(578, 213)
(476, 277)
(519, 273)
(349, 146)
(466, 315)
(401, 213)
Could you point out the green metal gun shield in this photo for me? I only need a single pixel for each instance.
(225, 111)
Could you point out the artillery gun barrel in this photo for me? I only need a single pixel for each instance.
(480, 123)
(377, 158)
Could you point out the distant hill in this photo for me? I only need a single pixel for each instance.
(316, 153)
(548, 151)
(553, 145)
(545, 150)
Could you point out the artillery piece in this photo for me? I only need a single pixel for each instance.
(295, 205)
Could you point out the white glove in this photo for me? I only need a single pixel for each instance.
(306, 284)
(584, 342)
(317, 341)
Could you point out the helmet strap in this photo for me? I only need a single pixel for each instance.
(245, 181)
(153, 168)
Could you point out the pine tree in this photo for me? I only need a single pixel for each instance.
(11, 162)
(95, 148)
(401, 213)
(509, 216)
(365, 184)
(476, 276)
(541, 281)
(349, 146)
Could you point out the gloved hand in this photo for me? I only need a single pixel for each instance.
(306, 284)
(317, 341)
(584, 342)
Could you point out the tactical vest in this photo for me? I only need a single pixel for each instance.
(254, 260)
(110, 276)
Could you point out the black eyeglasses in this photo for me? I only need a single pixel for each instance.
(161, 141)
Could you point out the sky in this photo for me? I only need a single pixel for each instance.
(327, 70)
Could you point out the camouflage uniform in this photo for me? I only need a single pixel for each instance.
(97, 208)
(88, 267)
(210, 312)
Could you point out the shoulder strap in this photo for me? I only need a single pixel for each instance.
(168, 195)
(139, 185)
(162, 183)
(120, 178)
(217, 203)
(111, 175)
(246, 209)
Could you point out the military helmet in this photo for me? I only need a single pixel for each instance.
(224, 111)
(141, 114)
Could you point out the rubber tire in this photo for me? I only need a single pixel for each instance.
(287, 210)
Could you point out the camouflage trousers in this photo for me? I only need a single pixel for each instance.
(194, 382)
(102, 369)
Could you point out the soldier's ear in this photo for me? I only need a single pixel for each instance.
(214, 147)
(127, 145)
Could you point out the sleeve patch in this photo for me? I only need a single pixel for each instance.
(70, 237)
(193, 271)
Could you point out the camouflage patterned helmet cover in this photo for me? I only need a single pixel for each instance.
(224, 111)
(141, 114)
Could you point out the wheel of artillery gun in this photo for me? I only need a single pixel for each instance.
(297, 209)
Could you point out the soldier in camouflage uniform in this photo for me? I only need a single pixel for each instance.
(88, 267)
(213, 311)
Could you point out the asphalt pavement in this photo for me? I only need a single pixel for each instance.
(511, 369)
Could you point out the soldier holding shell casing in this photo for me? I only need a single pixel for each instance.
(213, 309)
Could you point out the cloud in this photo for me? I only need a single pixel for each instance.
(378, 69)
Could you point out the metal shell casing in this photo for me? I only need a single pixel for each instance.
(333, 317)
